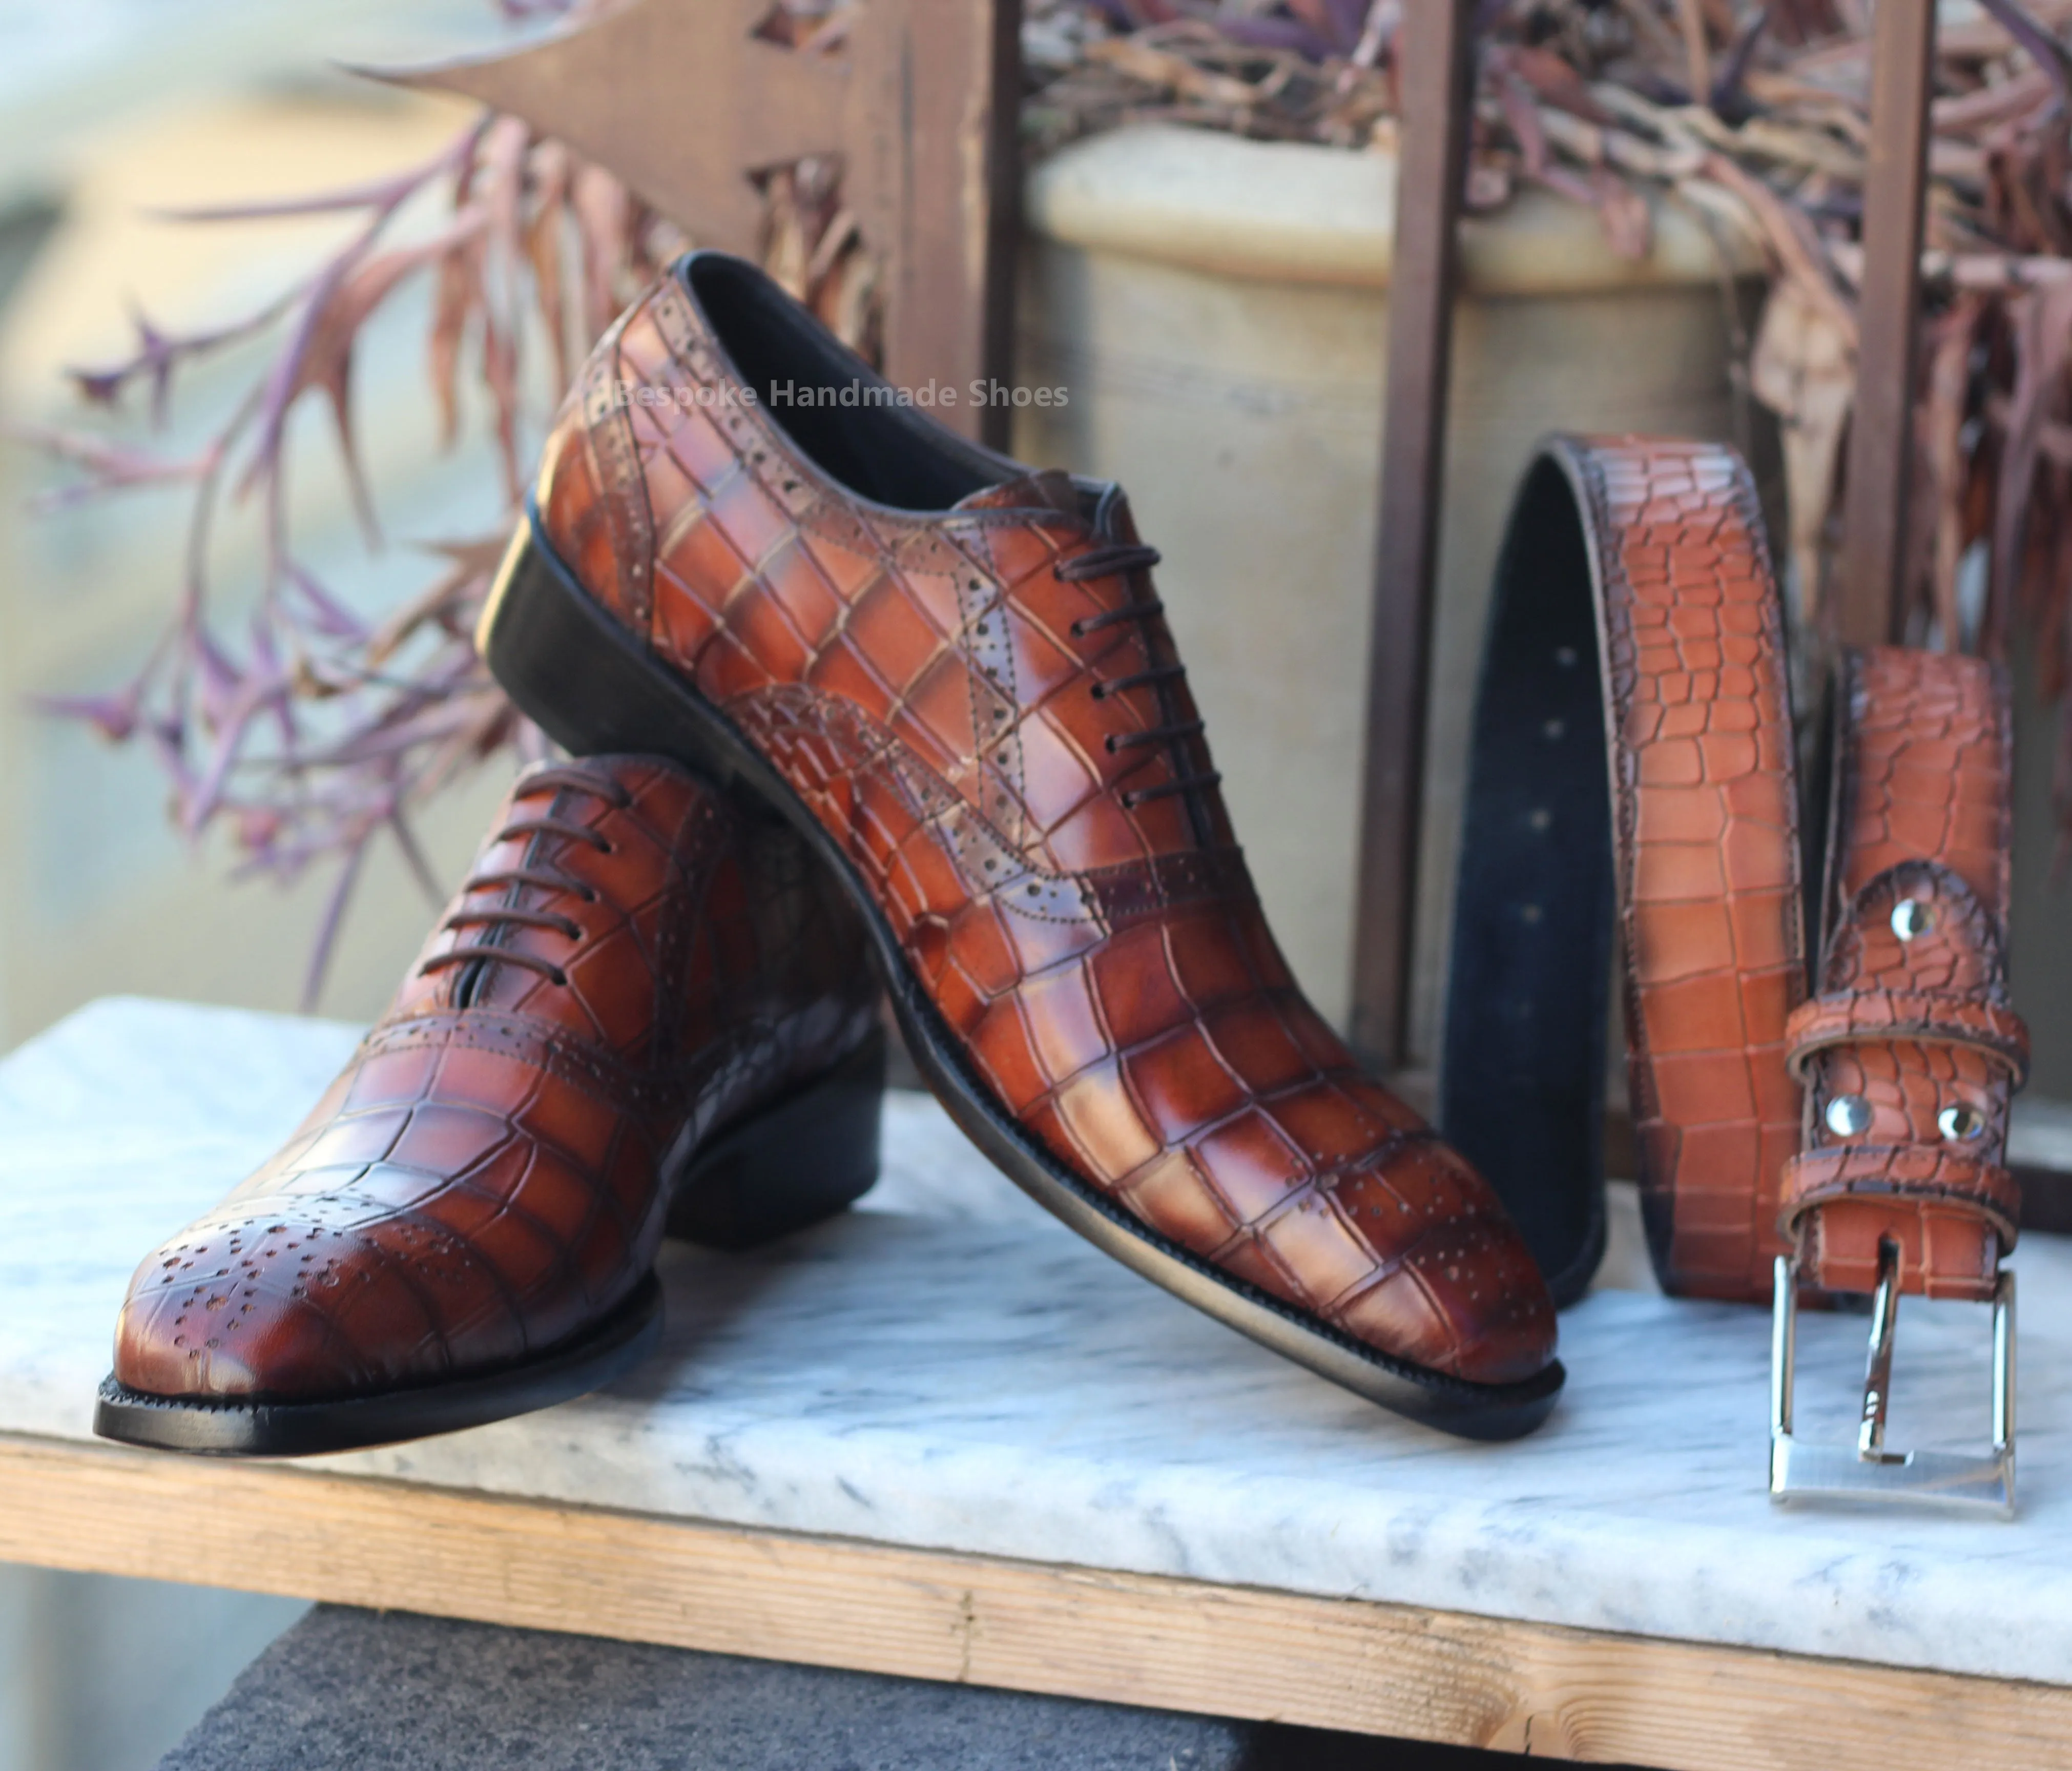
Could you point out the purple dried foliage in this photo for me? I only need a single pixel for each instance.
(304, 731)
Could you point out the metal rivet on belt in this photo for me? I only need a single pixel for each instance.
(1848, 1115)
(1960, 1122)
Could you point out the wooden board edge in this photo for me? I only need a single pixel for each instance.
(1157, 1640)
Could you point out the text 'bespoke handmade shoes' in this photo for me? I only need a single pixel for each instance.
(951, 674)
(643, 1007)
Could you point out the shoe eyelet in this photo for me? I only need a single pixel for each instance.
(1100, 691)
(1108, 744)
(1078, 630)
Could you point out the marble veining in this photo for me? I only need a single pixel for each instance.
(948, 1368)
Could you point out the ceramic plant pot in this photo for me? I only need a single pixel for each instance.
(1215, 309)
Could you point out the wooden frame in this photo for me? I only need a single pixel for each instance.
(1172, 1644)
(1436, 89)
(1438, 43)
(1869, 601)
(918, 101)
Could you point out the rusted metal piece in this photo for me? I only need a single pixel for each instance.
(685, 103)
(1868, 601)
(1436, 58)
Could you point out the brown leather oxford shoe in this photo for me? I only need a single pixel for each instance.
(950, 673)
(643, 1006)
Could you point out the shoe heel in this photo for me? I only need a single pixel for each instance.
(807, 1158)
(576, 671)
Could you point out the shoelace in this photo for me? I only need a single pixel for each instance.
(1125, 557)
(495, 919)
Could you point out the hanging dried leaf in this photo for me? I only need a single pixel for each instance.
(1803, 368)
(1941, 501)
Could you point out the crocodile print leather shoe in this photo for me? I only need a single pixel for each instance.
(950, 673)
(644, 1008)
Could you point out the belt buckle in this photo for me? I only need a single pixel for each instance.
(1867, 1471)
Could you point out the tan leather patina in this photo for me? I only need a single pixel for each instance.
(1911, 1017)
(957, 669)
(1649, 556)
(633, 970)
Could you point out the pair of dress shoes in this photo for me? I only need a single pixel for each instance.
(851, 700)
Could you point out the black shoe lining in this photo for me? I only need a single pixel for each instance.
(891, 453)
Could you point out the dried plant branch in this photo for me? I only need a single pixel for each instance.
(310, 732)
(306, 730)
(1595, 102)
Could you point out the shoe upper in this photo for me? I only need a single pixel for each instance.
(960, 665)
(632, 964)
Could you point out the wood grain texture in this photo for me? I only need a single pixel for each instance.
(1872, 567)
(919, 104)
(1395, 1669)
(1435, 53)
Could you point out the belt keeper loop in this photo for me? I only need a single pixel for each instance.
(1883, 1016)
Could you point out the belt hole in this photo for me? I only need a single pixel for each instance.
(1960, 1122)
(1848, 1115)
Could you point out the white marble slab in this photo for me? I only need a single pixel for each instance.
(952, 1370)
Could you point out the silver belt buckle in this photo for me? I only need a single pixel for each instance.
(1868, 1470)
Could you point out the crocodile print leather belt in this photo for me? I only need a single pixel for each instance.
(1843, 1132)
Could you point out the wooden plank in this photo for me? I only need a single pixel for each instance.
(1435, 86)
(1875, 539)
(1185, 1644)
(953, 86)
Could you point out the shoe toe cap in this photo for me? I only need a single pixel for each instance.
(1456, 1289)
(302, 1306)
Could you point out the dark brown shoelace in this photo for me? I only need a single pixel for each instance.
(1126, 559)
(496, 920)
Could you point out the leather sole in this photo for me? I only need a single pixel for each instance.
(301, 1429)
(593, 687)
(802, 1160)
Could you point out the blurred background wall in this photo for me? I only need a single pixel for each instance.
(108, 109)
(97, 893)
